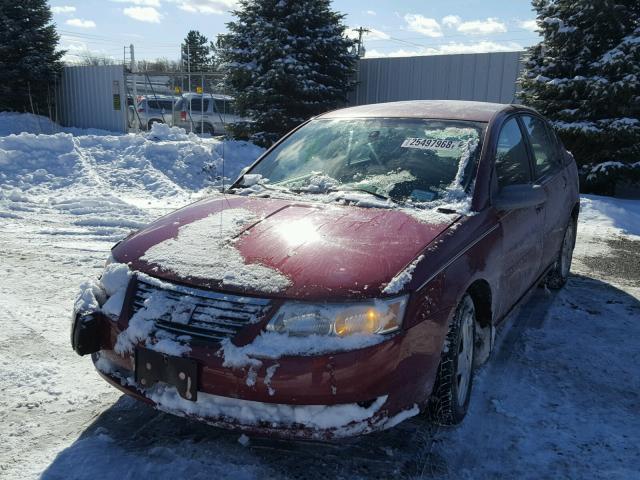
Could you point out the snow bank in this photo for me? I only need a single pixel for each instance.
(109, 181)
(615, 214)
(15, 123)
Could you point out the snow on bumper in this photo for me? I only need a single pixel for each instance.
(304, 421)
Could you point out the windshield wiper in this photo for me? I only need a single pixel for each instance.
(362, 190)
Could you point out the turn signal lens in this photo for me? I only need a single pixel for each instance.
(373, 317)
(357, 321)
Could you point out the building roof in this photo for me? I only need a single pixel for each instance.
(441, 109)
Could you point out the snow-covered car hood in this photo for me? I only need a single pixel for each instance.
(282, 248)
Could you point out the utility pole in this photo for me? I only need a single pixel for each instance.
(361, 31)
(189, 67)
(136, 125)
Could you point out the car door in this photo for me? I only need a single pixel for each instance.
(548, 172)
(521, 227)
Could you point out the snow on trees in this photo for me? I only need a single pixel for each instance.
(585, 76)
(286, 61)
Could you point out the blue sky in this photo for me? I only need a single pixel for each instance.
(398, 28)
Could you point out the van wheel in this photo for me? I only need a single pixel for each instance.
(206, 128)
(151, 122)
(449, 399)
(559, 274)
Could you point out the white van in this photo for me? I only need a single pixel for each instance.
(208, 113)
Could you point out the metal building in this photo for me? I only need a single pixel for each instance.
(93, 97)
(96, 97)
(488, 77)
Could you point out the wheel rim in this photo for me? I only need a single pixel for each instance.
(566, 255)
(465, 352)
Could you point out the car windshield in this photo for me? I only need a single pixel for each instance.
(399, 158)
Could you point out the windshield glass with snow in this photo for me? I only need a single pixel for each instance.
(398, 158)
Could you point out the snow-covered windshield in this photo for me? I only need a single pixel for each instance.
(400, 158)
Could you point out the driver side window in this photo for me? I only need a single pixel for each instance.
(512, 161)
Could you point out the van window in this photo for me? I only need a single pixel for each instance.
(224, 106)
(196, 105)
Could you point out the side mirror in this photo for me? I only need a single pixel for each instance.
(514, 197)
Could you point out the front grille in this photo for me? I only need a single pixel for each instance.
(198, 313)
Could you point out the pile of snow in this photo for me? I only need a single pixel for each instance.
(140, 165)
(109, 182)
(621, 216)
(15, 123)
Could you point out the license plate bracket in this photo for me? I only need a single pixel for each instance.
(153, 367)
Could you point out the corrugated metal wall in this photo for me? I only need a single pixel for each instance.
(488, 77)
(93, 97)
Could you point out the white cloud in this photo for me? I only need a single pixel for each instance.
(80, 23)
(143, 14)
(426, 26)
(63, 9)
(451, 21)
(531, 25)
(145, 3)
(373, 34)
(217, 7)
(142, 3)
(482, 27)
(371, 12)
(450, 49)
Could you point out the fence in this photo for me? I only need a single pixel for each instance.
(194, 101)
(107, 97)
(487, 77)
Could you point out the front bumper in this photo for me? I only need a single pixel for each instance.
(295, 396)
(258, 418)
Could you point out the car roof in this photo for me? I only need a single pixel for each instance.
(438, 109)
(215, 96)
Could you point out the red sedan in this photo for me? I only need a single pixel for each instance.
(351, 278)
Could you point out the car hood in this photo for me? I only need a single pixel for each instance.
(312, 250)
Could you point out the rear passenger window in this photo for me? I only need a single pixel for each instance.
(512, 162)
(543, 146)
(196, 105)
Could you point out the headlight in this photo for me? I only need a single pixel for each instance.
(339, 319)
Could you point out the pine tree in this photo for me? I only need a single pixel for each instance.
(196, 53)
(585, 76)
(286, 61)
(29, 62)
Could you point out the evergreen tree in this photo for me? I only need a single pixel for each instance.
(585, 76)
(196, 52)
(286, 61)
(29, 62)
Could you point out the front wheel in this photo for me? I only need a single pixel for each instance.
(449, 399)
(559, 274)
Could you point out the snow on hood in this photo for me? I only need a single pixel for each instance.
(206, 248)
(286, 248)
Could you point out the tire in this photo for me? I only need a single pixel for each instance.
(151, 122)
(559, 273)
(451, 393)
(206, 128)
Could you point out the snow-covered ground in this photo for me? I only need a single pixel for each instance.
(559, 398)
